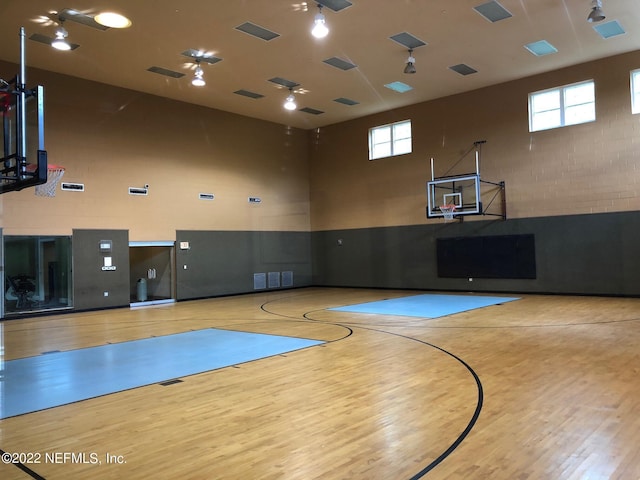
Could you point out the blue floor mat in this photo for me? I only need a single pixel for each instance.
(425, 306)
(58, 378)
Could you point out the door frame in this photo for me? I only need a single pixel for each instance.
(172, 264)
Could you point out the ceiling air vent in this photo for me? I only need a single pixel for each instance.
(335, 5)
(206, 196)
(493, 11)
(257, 31)
(247, 93)
(346, 101)
(407, 40)
(339, 63)
(165, 71)
(463, 69)
(312, 111)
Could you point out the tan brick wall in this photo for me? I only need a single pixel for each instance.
(581, 169)
(111, 139)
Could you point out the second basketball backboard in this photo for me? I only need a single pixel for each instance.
(462, 192)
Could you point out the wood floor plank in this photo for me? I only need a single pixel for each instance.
(387, 397)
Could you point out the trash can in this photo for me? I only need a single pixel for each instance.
(142, 290)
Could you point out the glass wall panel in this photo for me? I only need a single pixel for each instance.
(37, 273)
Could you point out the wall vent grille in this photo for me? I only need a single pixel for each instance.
(138, 191)
(72, 187)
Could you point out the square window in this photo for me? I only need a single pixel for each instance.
(390, 140)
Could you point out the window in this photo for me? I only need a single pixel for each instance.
(389, 140)
(562, 106)
(635, 91)
(37, 273)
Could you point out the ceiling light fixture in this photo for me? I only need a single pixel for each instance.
(198, 80)
(290, 102)
(411, 63)
(596, 14)
(112, 20)
(60, 42)
(320, 29)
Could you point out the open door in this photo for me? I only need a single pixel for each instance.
(152, 273)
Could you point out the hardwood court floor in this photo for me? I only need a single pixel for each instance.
(557, 394)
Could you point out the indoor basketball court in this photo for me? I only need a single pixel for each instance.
(370, 395)
(374, 280)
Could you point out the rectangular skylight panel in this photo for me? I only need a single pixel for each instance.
(541, 48)
(399, 87)
(492, 11)
(609, 29)
(339, 63)
(257, 31)
(407, 40)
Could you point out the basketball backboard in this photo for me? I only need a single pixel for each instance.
(24, 160)
(463, 194)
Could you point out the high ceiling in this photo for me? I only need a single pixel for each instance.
(453, 31)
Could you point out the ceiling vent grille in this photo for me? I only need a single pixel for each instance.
(463, 69)
(335, 5)
(166, 72)
(339, 63)
(312, 111)
(493, 11)
(346, 101)
(247, 93)
(284, 82)
(257, 31)
(407, 40)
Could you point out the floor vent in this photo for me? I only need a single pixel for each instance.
(287, 279)
(206, 196)
(274, 279)
(259, 281)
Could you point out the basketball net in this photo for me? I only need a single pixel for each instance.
(54, 174)
(448, 211)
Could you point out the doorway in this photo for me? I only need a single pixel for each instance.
(152, 273)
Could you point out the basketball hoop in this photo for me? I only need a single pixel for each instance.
(54, 174)
(448, 211)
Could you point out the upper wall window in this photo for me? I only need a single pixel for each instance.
(635, 91)
(389, 140)
(561, 106)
